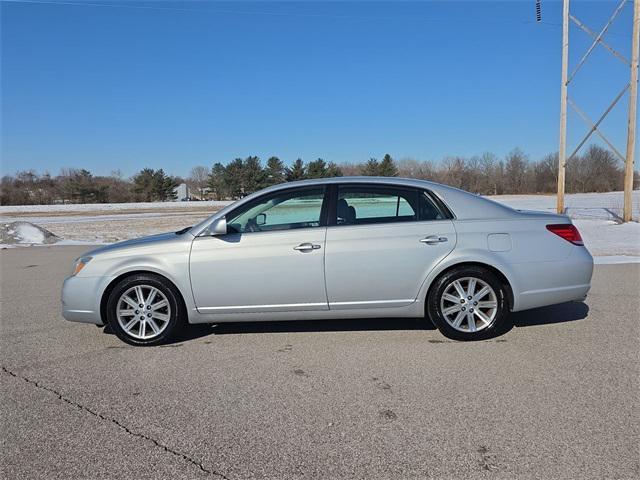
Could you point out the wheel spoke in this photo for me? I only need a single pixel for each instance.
(130, 325)
(160, 304)
(471, 287)
(456, 323)
(486, 320)
(152, 324)
(129, 301)
(143, 329)
(471, 322)
(126, 312)
(451, 298)
(458, 286)
(483, 292)
(139, 294)
(160, 316)
(151, 296)
(487, 304)
(452, 309)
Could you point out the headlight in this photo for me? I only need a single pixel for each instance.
(80, 263)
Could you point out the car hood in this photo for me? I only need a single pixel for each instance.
(139, 242)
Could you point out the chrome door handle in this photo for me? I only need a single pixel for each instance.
(433, 239)
(305, 247)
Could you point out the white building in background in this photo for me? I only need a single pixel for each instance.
(182, 193)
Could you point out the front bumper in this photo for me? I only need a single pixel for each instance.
(81, 298)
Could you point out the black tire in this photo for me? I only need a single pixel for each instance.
(176, 311)
(442, 283)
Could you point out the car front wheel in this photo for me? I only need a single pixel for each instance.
(145, 310)
(468, 303)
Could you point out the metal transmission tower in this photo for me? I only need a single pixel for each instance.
(632, 86)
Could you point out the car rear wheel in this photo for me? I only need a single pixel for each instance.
(468, 303)
(145, 309)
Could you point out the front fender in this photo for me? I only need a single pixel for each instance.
(169, 259)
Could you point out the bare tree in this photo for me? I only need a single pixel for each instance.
(545, 173)
(412, 168)
(516, 166)
(198, 178)
(453, 172)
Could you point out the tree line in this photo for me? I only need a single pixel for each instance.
(596, 170)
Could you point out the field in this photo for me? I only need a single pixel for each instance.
(597, 216)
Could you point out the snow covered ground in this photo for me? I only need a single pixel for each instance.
(109, 207)
(595, 206)
(597, 216)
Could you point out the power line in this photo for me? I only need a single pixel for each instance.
(417, 18)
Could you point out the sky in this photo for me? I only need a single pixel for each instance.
(123, 85)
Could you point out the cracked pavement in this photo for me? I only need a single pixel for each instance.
(554, 397)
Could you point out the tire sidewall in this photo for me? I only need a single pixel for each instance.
(435, 294)
(154, 281)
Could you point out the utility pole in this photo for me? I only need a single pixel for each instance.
(594, 127)
(562, 151)
(633, 104)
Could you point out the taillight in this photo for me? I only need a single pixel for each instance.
(567, 231)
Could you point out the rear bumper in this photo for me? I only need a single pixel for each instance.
(549, 283)
(81, 299)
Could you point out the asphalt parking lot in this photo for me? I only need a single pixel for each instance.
(557, 396)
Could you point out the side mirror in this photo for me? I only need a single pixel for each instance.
(218, 227)
(261, 219)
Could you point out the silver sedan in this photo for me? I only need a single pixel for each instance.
(340, 248)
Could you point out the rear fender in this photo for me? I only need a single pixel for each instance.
(476, 257)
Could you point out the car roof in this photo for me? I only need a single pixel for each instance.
(464, 205)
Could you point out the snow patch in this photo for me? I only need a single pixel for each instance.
(25, 233)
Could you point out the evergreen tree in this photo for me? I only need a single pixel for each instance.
(164, 187)
(153, 185)
(82, 186)
(317, 169)
(296, 172)
(143, 184)
(275, 171)
(216, 182)
(233, 179)
(253, 175)
(333, 170)
(371, 168)
(387, 167)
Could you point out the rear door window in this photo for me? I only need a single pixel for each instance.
(367, 204)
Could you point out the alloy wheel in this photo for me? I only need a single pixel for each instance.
(469, 304)
(143, 312)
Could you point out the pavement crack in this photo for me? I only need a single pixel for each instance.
(116, 422)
